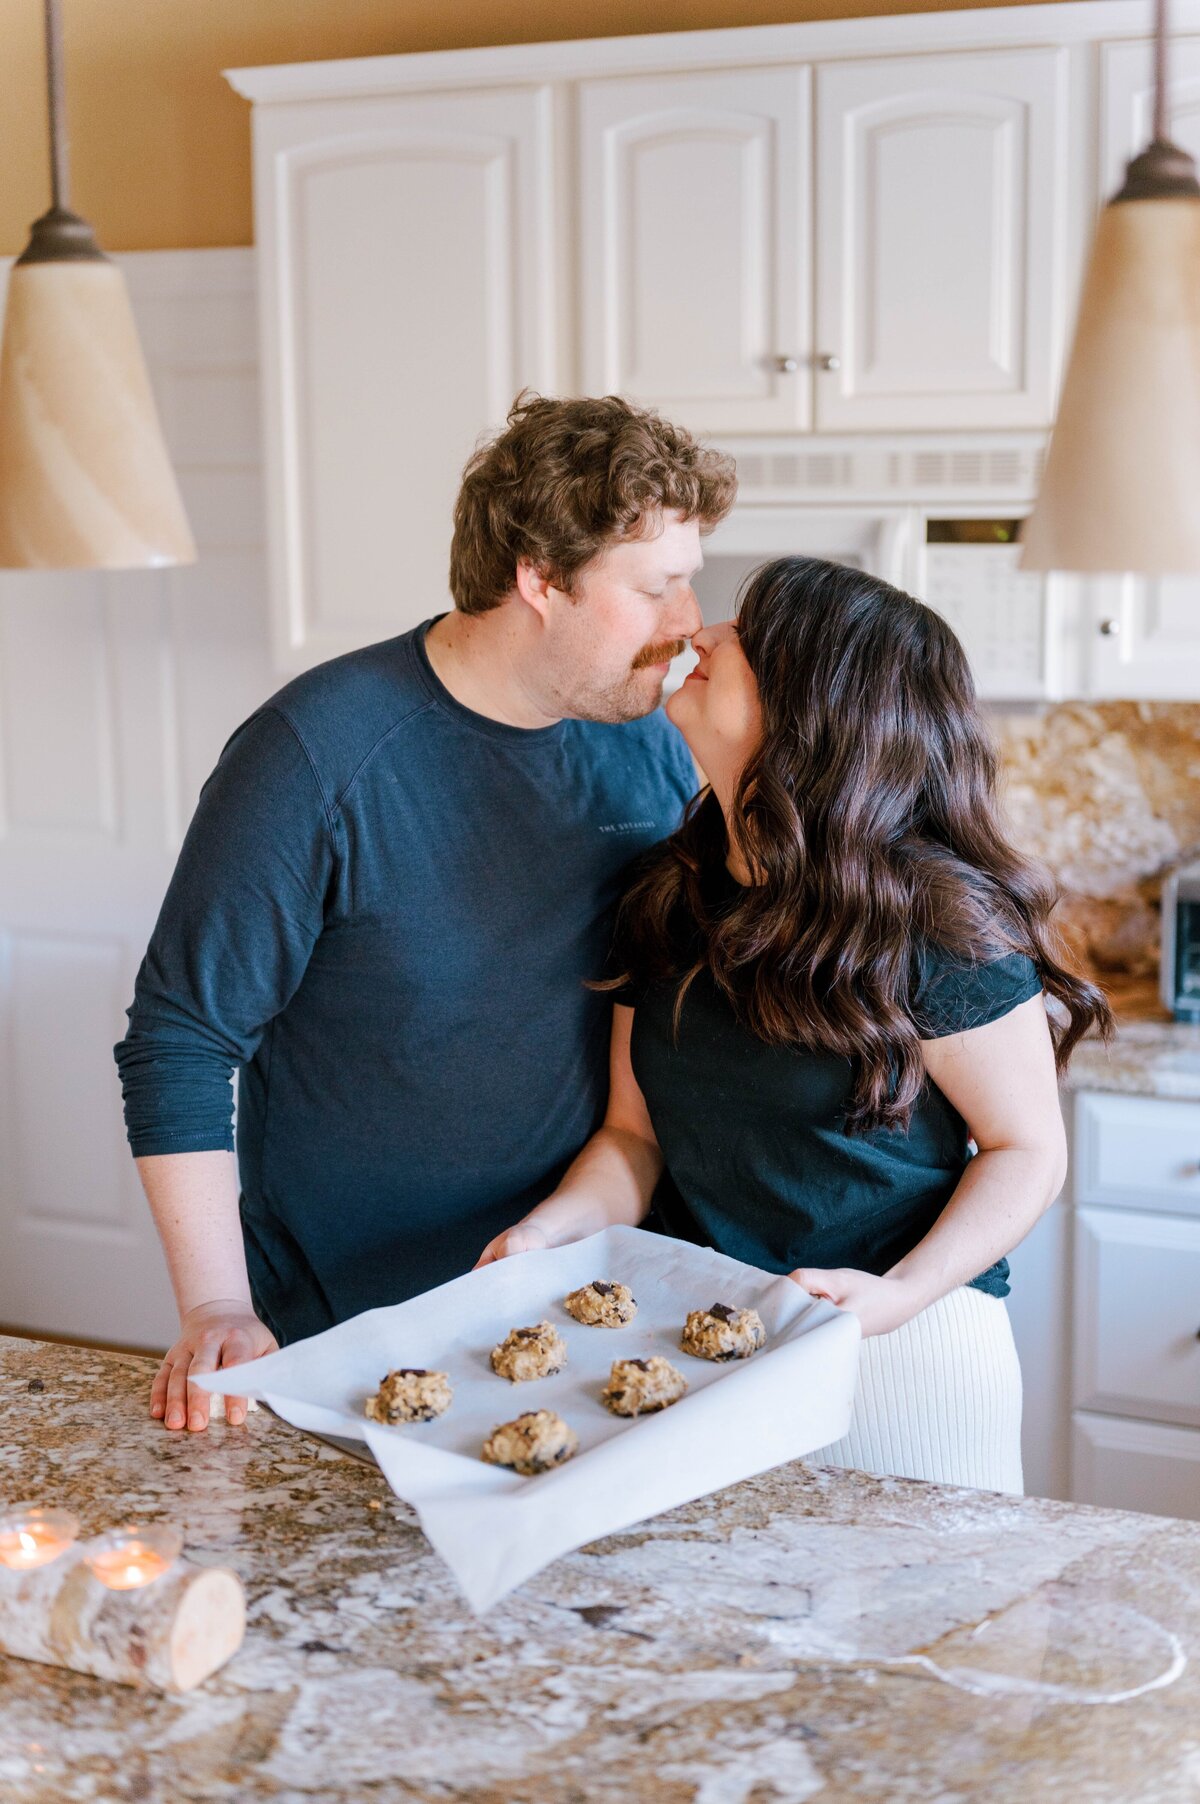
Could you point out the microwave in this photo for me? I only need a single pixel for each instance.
(1181, 943)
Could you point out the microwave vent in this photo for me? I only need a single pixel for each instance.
(861, 471)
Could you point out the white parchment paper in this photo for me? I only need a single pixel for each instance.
(495, 1529)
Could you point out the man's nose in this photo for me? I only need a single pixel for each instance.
(687, 620)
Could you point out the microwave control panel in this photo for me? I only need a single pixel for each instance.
(999, 612)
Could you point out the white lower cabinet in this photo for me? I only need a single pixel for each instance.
(1127, 1464)
(1135, 1368)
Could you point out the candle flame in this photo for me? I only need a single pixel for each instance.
(28, 1541)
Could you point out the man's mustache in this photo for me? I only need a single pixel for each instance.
(659, 654)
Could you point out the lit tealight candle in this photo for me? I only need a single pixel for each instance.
(31, 1536)
(137, 1554)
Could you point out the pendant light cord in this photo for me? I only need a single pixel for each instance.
(1160, 71)
(58, 109)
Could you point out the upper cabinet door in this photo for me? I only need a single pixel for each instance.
(407, 292)
(939, 224)
(695, 238)
(1127, 103)
(1141, 637)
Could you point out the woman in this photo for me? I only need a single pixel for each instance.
(831, 980)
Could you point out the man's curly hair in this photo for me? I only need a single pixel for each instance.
(565, 479)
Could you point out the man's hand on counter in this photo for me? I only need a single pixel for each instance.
(222, 1333)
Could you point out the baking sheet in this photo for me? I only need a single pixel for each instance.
(496, 1529)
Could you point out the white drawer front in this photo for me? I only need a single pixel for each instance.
(1137, 1152)
(1137, 1314)
(1124, 1465)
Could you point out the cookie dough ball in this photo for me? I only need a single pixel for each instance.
(536, 1352)
(532, 1443)
(601, 1304)
(637, 1387)
(723, 1333)
(410, 1394)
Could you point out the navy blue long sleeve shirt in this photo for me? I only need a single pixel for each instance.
(383, 917)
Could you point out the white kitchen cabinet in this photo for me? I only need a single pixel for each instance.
(1141, 638)
(846, 248)
(1120, 1464)
(1126, 114)
(1137, 1152)
(695, 237)
(1135, 1384)
(1137, 1315)
(939, 235)
(407, 292)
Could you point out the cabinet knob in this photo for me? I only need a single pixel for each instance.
(787, 366)
(1110, 628)
(829, 362)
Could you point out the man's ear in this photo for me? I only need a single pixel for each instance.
(534, 587)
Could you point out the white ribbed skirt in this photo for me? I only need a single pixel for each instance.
(939, 1398)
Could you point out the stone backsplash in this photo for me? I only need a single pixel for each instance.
(1108, 795)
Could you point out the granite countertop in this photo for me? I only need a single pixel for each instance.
(1156, 1057)
(807, 1634)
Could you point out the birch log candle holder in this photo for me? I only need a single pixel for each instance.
(169, 1627)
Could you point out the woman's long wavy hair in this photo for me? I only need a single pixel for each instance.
(869, 818)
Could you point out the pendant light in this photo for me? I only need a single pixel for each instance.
(85, 481)
(1121, 490)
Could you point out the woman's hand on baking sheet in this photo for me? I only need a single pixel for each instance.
(225, 1332)
(526, 1237)
(880, 1304)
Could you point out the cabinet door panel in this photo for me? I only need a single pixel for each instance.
(1125, 1465)
(694, 229)
(938, 225)
(407, 294)
(1140, 1152)
(1142, 637)
(1127, 104)
(1137, 1314)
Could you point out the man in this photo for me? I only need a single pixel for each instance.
(397, 881)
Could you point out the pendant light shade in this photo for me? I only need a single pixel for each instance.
(85, 480)
(1121, 490)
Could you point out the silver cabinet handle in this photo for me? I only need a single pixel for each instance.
(830, 362)
(1110, 628)
(787, 366)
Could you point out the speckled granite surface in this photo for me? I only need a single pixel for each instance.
(1146, 1058)
(809, 1634)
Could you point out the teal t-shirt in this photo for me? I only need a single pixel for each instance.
(758, 1162)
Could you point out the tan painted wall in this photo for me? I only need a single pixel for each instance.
(160, 144)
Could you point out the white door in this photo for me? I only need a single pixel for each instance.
(117, 691)
(939, 228)
(407, 292)
(694, 229)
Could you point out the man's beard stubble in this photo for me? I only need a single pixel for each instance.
(630, 699)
